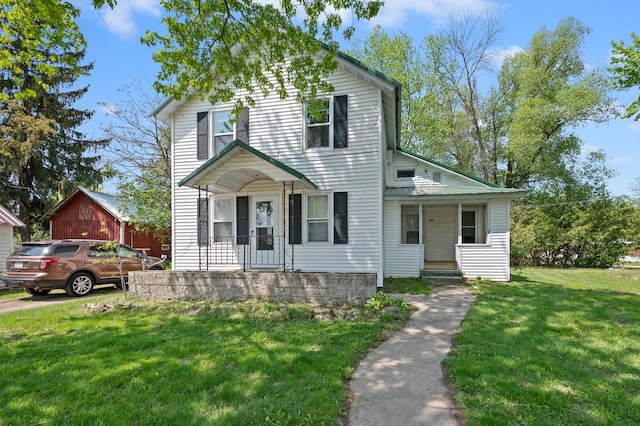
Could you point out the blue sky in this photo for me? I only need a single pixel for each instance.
(113, 38)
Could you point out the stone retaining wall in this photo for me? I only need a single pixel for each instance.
(326, 289)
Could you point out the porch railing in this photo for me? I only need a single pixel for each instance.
(248, 252)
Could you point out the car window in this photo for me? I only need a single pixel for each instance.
(99, 250)
(64, 250)
(125, 251)
(31, 250)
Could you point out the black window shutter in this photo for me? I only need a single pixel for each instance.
(242, 220)
(340, 218)
(295, 219)
(203, 135)
(340, 128)
(203, 221)
(242, 126)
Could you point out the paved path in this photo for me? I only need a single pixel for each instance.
(401, 381)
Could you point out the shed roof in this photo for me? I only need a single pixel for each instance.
(8, 219)
(107, 201)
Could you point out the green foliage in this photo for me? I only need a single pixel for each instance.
(42, 155)
(588, 233)
(252, 46)
(382, 300)
(625, 66)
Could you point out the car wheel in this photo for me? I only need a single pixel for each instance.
(37, 292)
(79, 284)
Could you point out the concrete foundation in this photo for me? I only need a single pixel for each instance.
(321, 288)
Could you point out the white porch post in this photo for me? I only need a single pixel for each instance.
(459, 223)
(459, 239)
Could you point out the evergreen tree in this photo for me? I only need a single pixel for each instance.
(43, 156)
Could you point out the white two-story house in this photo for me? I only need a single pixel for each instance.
(280, 187)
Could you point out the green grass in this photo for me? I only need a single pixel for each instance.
(406, 286)
(554, 346)
(12, 293)
(181, 363)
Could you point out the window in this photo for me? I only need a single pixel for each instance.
(222, 220)
(326, 123)
(127, 252)
(410, 224)
(317, 218)
(437, 177)
(318, 124)
(408, 173)
(222, 130)
(469, 227)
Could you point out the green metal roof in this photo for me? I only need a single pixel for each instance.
(237, 144)
(444, 191)
(451, 169)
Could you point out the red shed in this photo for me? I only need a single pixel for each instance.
(96, 215)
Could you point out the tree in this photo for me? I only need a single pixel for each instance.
(544, 92)
(42, 154)
(141, 146)
(625, 61)
(428, 106)
(214, 46)
(575, 221)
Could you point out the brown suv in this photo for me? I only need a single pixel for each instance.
(74, 265)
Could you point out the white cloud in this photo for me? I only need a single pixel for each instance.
(121, 19)
(501, 54)
(394, 12)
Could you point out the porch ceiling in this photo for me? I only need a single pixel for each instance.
(239, 164)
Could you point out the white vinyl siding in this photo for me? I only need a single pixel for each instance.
(277, 130)
(400, 260)
(6, 245)
(426, 174)
(489, 261)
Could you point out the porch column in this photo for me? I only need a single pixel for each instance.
(459, 223)
(420, 229)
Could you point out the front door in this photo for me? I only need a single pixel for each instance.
(265, 241)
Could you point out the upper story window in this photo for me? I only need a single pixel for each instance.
(326, 123)
(318, 125)
(223, 130)
(217, 129)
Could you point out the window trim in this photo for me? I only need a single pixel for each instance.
(403, 232)
(212, 126)
(338, 124)
(329, 219)
(329, 124)
(473, 210)
(232, 222)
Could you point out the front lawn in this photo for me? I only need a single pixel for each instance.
(554, 346)
(181, 363)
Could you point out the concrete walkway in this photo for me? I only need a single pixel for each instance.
(401, 381)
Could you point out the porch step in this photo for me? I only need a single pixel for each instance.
(440, 275)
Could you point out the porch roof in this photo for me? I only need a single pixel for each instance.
(442, 191)
(239, 164)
